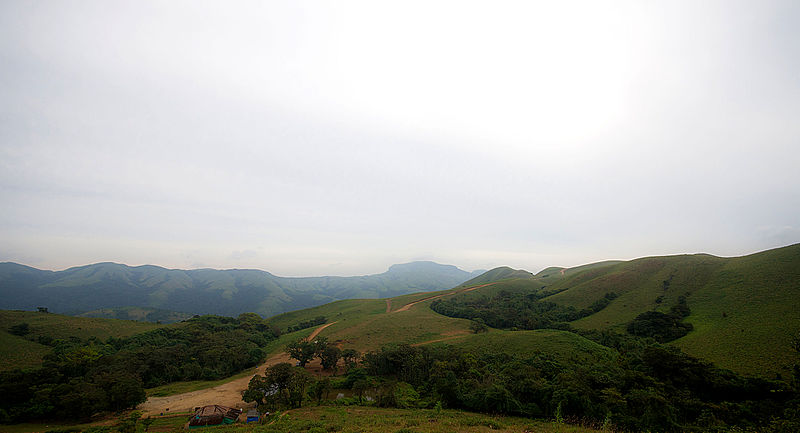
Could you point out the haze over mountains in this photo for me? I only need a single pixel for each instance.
(207, 291)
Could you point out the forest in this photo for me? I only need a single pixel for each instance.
(521, 310)
(82, 377)
(646, 386)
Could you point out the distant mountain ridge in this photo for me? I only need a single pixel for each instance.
(206, 291)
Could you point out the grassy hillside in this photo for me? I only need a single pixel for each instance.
(744, 310)
(141, 314)
(559, 344)
(497, 274)
(21, 352)
(366, 325)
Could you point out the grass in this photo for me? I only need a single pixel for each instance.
(365, 325)
(354, 419)
(560, 344)
(351, 419)
(18, 352)
(745, 310)
(193, 385)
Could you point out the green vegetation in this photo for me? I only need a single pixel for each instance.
(643, 387)
(603, 364)
(516, 309)
(350, 419)
(662, 327)
(143, 314)
(744, 310)
(103, 287)
(82, 377)
(561, 345)
(29, 349)
(319, 320)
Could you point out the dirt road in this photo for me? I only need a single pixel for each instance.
(409, 305)
(227, 394)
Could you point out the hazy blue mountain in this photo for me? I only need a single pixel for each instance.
(206, 291)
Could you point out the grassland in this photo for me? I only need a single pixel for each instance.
(365, 324)
(559, 344)
(19, 352)
(353, 419)
(377, 420)
(745, 310)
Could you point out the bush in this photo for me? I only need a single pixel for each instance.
(659, 326)
(20, 329)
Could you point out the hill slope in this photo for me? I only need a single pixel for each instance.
(28, 350)
(744, 310)
(206, 291)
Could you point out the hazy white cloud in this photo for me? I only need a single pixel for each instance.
(292, 136)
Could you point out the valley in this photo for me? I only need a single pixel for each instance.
(742, 311)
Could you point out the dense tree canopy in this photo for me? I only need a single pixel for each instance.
(80, 378)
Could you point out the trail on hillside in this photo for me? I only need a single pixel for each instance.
(468, 289)
(228, 394)
(446, 337)
(388, 305)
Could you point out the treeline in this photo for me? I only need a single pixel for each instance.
(648, 387)
(319, 320)
(519, 310)
(81, 378)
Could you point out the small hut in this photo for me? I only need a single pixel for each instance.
(213, 415)
(252, 415)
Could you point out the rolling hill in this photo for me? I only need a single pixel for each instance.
(28, 350)
(744, 310)
(205, 291)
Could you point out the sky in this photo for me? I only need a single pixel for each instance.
(338, 138)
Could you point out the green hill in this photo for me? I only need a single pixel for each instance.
(740, 308)
(744, 310)
(497, 274)
(28, 350)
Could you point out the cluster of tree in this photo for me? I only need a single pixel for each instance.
(80, 378)
(663, 327)
(648, 387)
(329, 355)
(20, 329)
(519, 310)
(319, 320)
(281, 386)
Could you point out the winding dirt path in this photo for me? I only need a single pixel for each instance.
(468, 289)
(228, 394)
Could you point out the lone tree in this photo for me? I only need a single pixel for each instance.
(282, 385)
(330, 357)
(303, 350)
(351, 357)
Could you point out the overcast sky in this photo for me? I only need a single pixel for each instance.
(338, 138)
